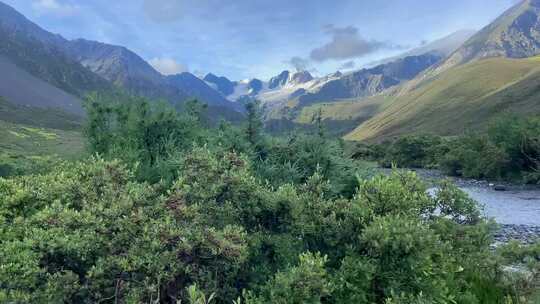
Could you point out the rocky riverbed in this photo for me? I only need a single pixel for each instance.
(516, 208)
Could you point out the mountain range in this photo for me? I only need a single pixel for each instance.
(59, 72)
(495, 71)
(450, 85)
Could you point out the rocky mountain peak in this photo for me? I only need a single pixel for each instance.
(254, 86)
(13, 21)
(279, 80)
(515, 34)
(299, 78)
(287, 78)
(337, 74)
(222, 84)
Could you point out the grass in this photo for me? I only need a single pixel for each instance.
(29, 141)
(340, 116)
(28, 149)
(463, 98)
(348, 110)
(38, 117)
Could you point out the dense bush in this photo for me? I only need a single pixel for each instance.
(14, 165)
(88, 233)
(414, 151)
(92, 232)
(510, 149)
(141, 133)
(219, 226)
(475, 157)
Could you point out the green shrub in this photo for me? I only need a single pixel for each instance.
(306, 283)
(413, 151)
(475, 157)
(89, 232)
(230, 214)
(509, 150)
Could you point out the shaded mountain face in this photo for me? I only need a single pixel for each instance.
(222, 84)
(36, 73)
(254, 86)
(193, 86)
(21, 88)
(114, 63)
(127, 70)
(279, 80)
(359, 84)
(80, 66)
(49, 63)
(12, 21)
(515, 34)
(408, 67)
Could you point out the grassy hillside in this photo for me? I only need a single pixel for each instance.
(347, 110)
(462, 98)
(26, 140)
(340, 116)
(38, 117)
(31, 137)
(26, 149)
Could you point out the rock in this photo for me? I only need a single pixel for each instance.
(279, 81)
(499, 188)
(300, 77)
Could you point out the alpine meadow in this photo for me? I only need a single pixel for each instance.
(273, 151)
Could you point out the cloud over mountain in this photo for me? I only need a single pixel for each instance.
(55, 7)
(348, 65)
(299, 64)
(347, 43)
(167, 66)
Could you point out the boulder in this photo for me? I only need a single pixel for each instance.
(499, 188)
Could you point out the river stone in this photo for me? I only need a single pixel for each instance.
(499, 188)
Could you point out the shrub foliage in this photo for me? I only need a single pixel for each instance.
(225, 215)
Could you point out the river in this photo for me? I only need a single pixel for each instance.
(517, 209)
(512, 207)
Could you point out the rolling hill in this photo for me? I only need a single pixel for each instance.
(494, 72)
(465, 97)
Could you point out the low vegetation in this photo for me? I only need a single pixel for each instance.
(510, 150)
(28, 149)
(169, 210)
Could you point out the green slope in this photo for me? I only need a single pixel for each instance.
(27, 149)
(26, 140)
(32, 137)
(462, 98)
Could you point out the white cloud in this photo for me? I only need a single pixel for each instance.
(167, 66)
(346, 44)
(55, 7)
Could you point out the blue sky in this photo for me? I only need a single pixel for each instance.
(259, 38)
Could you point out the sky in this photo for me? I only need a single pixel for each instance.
(243, 39)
